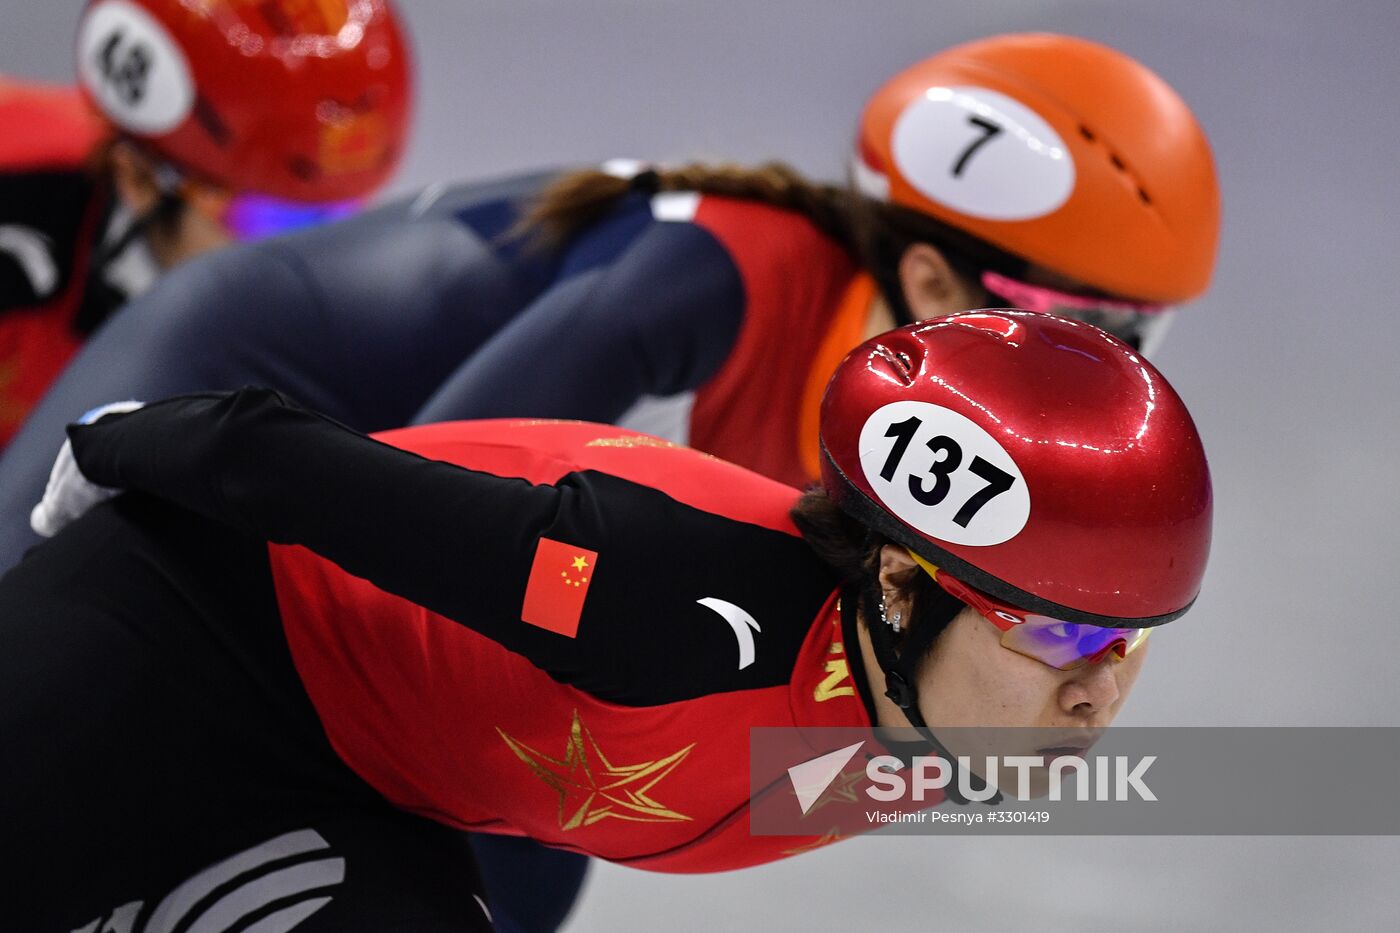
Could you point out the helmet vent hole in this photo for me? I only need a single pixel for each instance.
(303, 168)
(208, 118)
(1117, 162)
(1086, 132)
(898, 361)
(1143, 196)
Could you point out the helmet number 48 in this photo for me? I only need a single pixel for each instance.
(125, 70)
(943, 474)
(134, 68)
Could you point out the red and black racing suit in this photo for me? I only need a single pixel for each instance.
(207, 675)
(52, 215)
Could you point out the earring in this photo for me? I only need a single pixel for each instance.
(892, 621)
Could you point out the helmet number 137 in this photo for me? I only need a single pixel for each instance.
(943, 474)
(998, 480)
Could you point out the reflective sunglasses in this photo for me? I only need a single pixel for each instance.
(250, 216)
(1141, 325)
(1060, 644)
(254, 216)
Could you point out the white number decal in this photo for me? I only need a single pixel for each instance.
(134, 68)
(943, 474)
(983, 154)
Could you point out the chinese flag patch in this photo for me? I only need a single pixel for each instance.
(558, 585)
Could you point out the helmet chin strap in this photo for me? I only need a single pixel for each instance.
(901, 678)
(99, 298)
(168, 204)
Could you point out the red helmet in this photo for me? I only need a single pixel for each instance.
(300, 99)
(1032, 457)
(1058, 150)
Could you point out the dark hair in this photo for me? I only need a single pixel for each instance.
(577, 199)
(853, 550)
(883, 232)
(875, 233)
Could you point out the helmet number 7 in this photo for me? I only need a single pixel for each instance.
(989, 130)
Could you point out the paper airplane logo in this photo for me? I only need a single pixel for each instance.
(811, 778)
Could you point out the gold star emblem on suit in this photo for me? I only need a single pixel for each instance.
(591, 788)
(841, 790)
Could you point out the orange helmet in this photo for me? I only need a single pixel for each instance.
(1058, 150)
(300, 99)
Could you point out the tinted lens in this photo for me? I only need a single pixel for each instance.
(253, 216)
(1141, 326)
(1141, 330)
(1062, 645)
(1125, 325)
(1067, 645)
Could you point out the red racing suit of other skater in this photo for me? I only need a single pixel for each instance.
(405, 588)
(52, 213)
(710, 321)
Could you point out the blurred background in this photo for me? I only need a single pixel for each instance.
(1290, 364)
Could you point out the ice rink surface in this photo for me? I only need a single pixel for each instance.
(1291, 365)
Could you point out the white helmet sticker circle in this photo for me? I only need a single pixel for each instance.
(133, 68)
(941, 473)
(983, 154)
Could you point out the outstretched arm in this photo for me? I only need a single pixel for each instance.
(432, 532)
(462, 542)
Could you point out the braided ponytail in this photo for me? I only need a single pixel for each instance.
(578, 199)
(874, 233)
